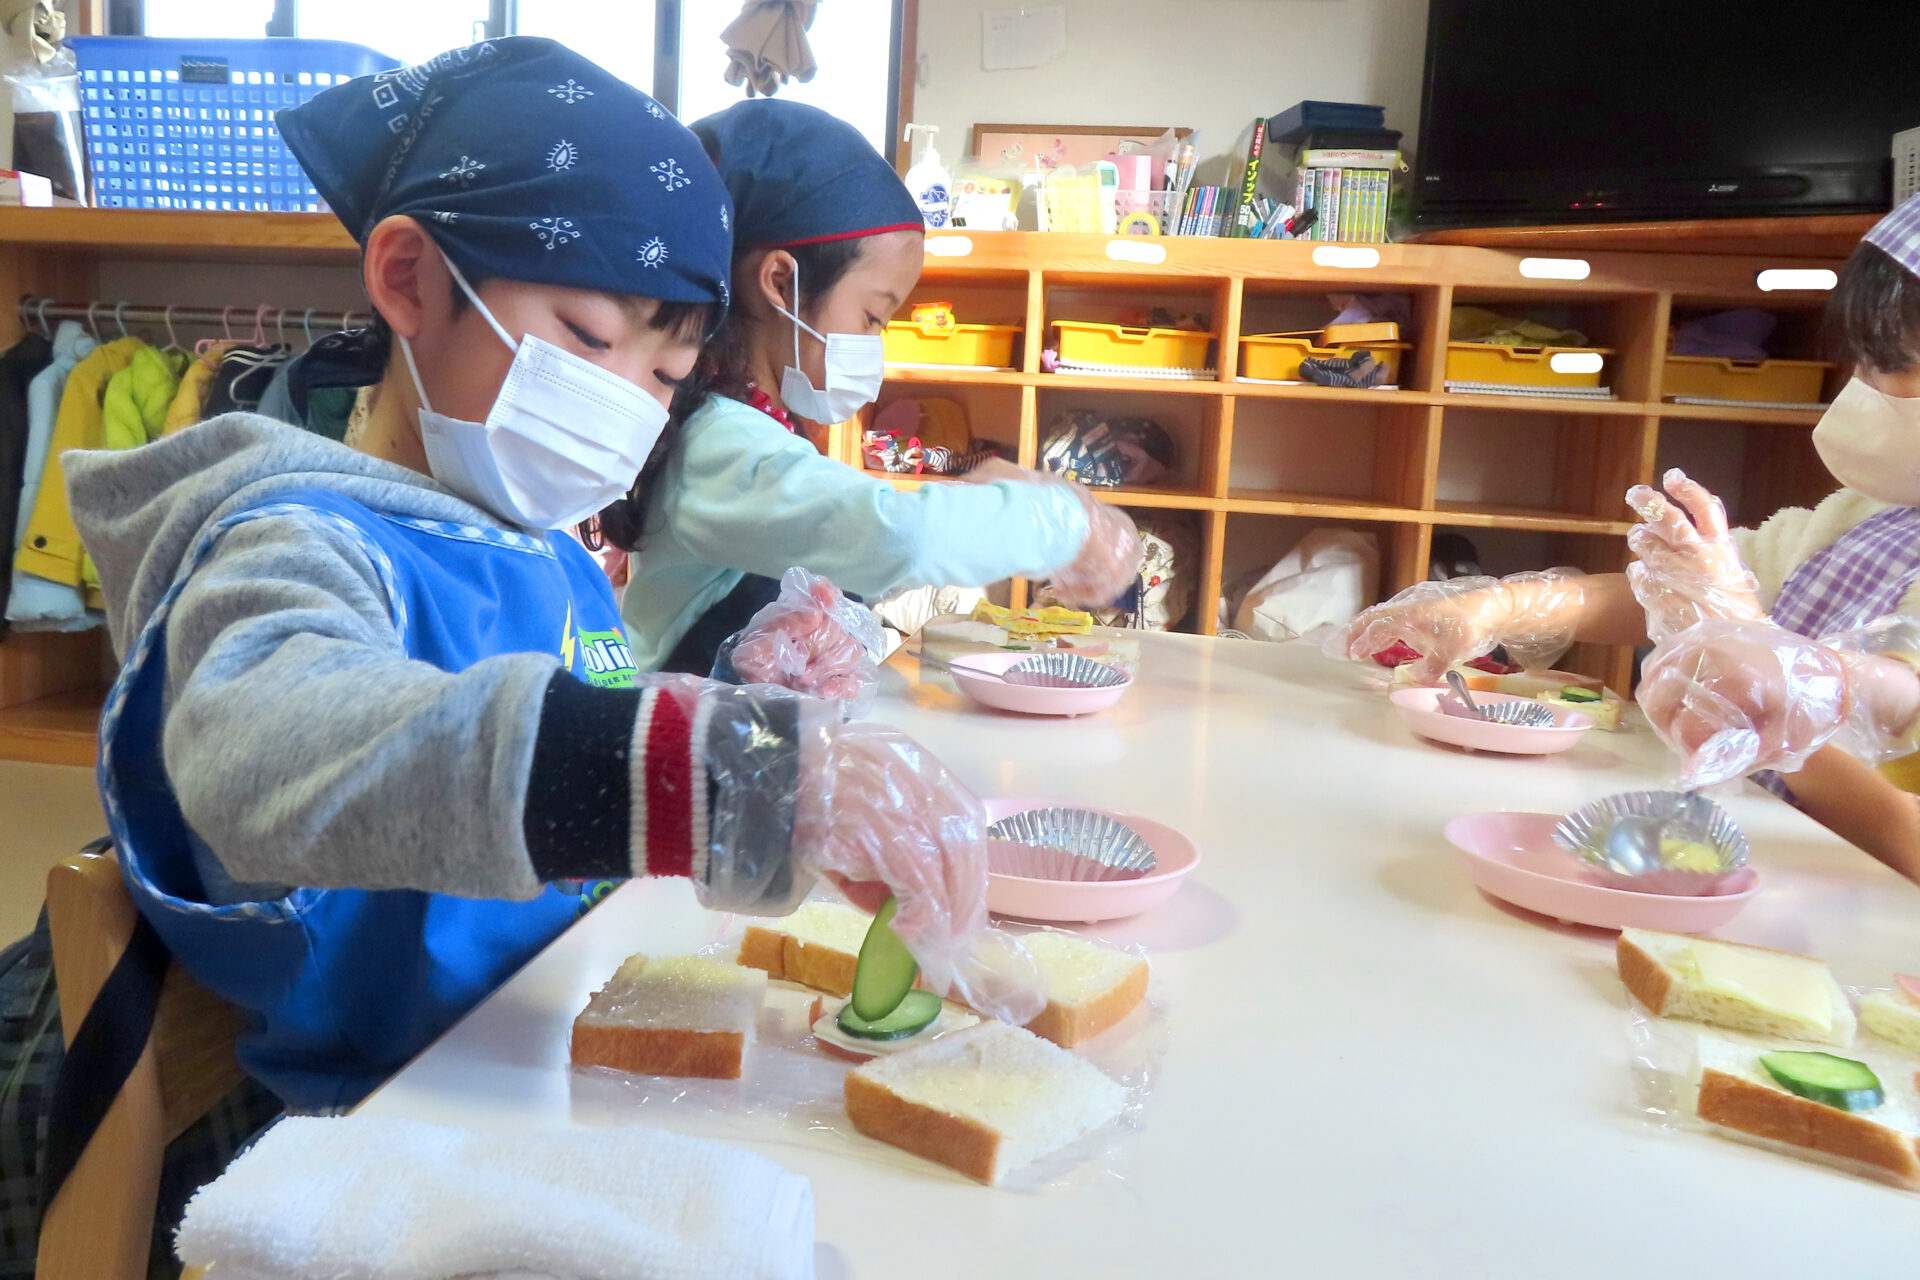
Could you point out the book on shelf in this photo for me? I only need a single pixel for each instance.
(1303, 118)
(1349, 158)
(1243, 184)
(1329, 206)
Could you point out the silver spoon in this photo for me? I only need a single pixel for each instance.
(1633, 845)
(1525, 715)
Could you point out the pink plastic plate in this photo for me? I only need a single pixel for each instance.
(975, 677)
(1420, 708)
(1513, 857)
(1087, 901)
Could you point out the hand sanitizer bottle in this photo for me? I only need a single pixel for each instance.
(929, 181)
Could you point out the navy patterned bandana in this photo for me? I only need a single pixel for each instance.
(800, 176)
(528, 162)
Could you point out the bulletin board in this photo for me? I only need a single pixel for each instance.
(1054, 145)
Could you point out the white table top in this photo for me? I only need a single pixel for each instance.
(1372, 1070)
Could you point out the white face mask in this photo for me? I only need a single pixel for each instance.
(1870, 441)
(564, 437)
(855, 365)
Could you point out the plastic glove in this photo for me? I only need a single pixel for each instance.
(811, 639)
(1730, 697)
(1533, 615)
(1687, 570)
(894, 816)
(1883, 686)
(1108, 561)
(796, 796)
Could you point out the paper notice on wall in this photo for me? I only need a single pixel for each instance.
(1014, 38)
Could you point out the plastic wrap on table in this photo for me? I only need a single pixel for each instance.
(1664, 1068)
(810, 639)
(792, 1091)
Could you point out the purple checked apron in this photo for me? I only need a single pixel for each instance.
(1864, 575)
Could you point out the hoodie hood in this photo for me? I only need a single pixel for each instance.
(140, 512)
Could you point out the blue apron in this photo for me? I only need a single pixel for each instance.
(346, 985)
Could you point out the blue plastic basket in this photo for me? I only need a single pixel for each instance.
(188, 124)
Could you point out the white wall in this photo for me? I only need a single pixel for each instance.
(1210, 65)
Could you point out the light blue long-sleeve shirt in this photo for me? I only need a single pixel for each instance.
(743, 495)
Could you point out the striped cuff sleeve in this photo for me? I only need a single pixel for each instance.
(652, 782)
(618, 785)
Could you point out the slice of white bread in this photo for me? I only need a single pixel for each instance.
(671, 1016)
(1731, 985)
(1732, 1090)
(817, 946)
(983, 1101)
(1606, 713)
(1893, 1017)
(1089, 986)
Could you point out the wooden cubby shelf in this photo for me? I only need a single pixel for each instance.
(1261, 464)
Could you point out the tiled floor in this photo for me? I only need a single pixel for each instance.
(46, 813)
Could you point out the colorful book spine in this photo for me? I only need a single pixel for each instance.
(1330, 215)
(1383, 188)
(1244, 216)
(1351, 185)
(1371, 207)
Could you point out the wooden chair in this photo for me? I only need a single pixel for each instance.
(101, 1224)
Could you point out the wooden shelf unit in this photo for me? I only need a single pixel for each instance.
(51, 684)
(1585, 453)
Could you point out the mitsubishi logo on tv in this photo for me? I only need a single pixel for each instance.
(1722, 188)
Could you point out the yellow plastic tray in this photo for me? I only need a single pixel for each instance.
(1517, 366)
(1085, 343)
(1767, 381)
(990, 345)
(1276, 357)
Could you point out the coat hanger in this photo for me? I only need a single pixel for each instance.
(45, 329)
(119, 309)
(260, 325)
(93, 323)
(306, 323)
(173, 339)
(280, 327)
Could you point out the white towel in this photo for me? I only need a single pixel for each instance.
(364, 1196)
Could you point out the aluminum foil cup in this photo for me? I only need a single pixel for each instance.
(1068, 844)
(1063, 671)
(1584, 832)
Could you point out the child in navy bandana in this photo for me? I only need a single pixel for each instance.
(828, 246)
(377, 721)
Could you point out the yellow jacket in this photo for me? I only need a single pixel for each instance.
(190, 400)
(51, 548)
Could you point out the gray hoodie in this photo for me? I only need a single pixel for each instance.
(306, 748)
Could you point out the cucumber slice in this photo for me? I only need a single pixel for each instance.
(916, 1013)
(1823, 1077)
(1579, 695)
(886, 969)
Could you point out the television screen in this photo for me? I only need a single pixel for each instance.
(1566, 111)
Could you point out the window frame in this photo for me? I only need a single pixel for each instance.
(128, 17)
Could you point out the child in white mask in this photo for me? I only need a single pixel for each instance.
(1751, 691)
(828, 244)
(377, 734)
